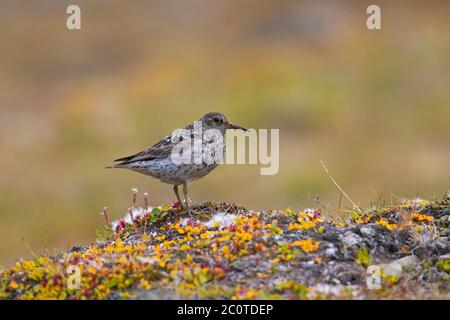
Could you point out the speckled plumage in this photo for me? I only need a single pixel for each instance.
(166, 171)
(156, 161)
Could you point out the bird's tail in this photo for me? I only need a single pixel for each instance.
(116, 166)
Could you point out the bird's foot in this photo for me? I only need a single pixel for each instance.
(187, 208)
(189, 211)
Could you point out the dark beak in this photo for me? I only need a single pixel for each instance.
(235, 126)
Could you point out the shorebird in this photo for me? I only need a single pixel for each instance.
(157, 161)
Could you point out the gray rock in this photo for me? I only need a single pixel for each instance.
(407, 262)
(368, 231)
(331, 252)
(444, 256)
(392, 269)
(350, 239)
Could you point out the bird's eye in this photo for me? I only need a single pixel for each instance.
(216, 120)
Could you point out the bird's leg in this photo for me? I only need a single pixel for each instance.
(186, 199)
(175, 189)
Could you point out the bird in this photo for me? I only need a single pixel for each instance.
(157, 161)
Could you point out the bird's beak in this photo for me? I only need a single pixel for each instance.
(235, 126)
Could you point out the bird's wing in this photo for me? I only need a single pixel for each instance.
(159, 150)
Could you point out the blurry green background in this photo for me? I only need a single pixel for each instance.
(374, 105)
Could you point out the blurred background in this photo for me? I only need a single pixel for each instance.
(374, 105)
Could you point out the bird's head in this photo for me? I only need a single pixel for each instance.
(218, 120)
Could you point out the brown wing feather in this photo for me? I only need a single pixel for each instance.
(159, 150)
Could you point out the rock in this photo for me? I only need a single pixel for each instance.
(331, 252)
(156, 294)
(422, 252)
(407, 262)
(392, 269)
(368, 231)
(350, 239)
(396, 268)
(444, 256)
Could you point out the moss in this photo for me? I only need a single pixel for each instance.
(363, 257)
(444, 265)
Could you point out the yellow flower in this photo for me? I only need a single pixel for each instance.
(244, 236)
(387, 225)
(363, 220)
(223, 238)
(289, 211)
(146, 237)
(180, 230)
(262, 275)
(216, 224)
(288, 257)
(144, 284)
(13, 285)
(161, 238)
(28, 265)
(44, 260)
(227, 254)
(294, 226)
(308, 245)
(250, 294)
(205, 235)
(422, 217)
(192, 230)
(304, 225)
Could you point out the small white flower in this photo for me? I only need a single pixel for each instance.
(135, 190)
(135, 212)
(224, 219)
